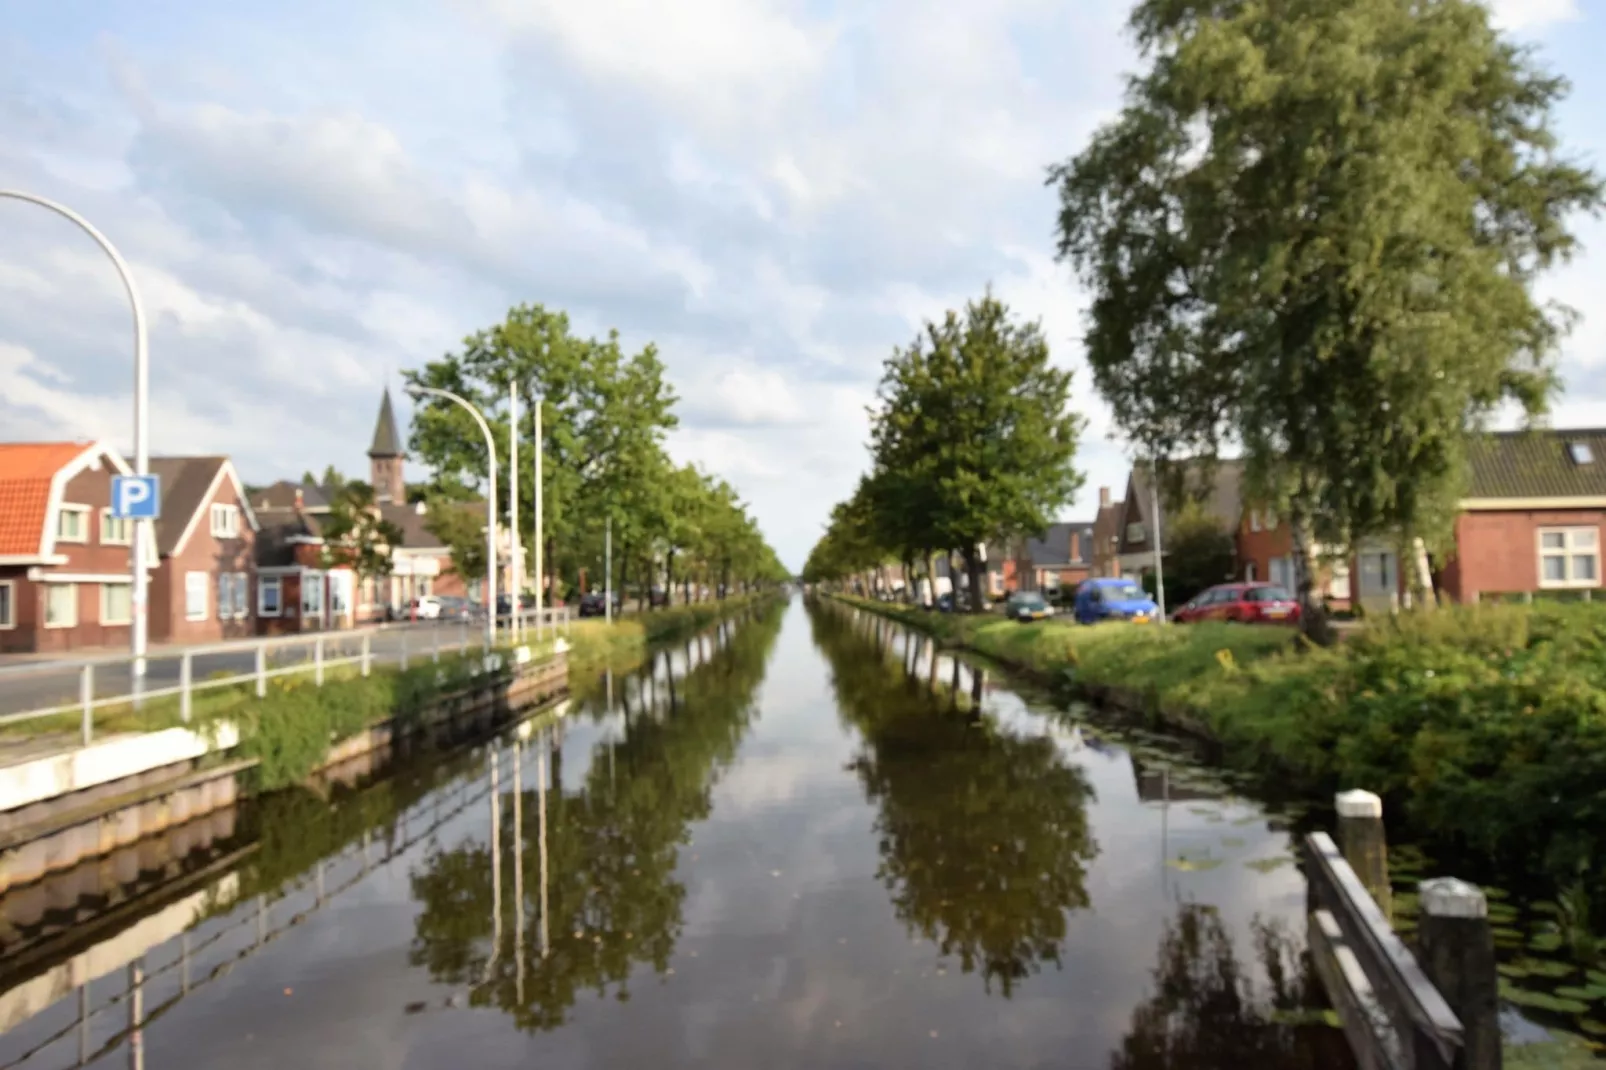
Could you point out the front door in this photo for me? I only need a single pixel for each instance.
(1379, 586)
(313, 615)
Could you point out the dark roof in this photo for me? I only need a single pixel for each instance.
(1052, 549)
(276, 528)
(1221, 495)
(387, 443)
(415, 535)
(185, 481)
(1537, 464)
(282, 495)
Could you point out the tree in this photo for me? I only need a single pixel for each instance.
(1199, 553)
(975, 422)
(461, 529)
(356, 535)
(331, 480)
(1314, 230)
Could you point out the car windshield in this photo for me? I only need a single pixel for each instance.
(1121, 592)
(1269, 594)
(1030, 601)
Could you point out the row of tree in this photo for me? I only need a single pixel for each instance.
(972, 442)
(604, 418)
(1311, 236)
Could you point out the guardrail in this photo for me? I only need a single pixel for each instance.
(1399, 1012)
(56, 688)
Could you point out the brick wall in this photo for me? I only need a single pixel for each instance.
(1499, 552)
(205, 553)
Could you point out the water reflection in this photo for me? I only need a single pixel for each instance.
(1207, 1013)
(983, 830)
(607, 852)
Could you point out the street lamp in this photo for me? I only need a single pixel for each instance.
(490, 507)
(141, 542)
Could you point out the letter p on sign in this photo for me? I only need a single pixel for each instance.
(136, 497)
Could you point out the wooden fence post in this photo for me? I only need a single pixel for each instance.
(1365, 845)
(1456, 948)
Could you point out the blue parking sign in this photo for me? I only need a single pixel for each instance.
(137, 497)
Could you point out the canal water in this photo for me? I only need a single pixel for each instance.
(804, 839)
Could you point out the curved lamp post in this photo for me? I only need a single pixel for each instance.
(141, 543)
(490, 507)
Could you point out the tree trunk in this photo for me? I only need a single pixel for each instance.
(1312, 613)
(973, 569)
(669, 580)
(1420, 583)
(931, 574)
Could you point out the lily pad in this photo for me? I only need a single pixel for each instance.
(1232, 841)
(1545, 941)
(1575, 992)
(1545, 967)
(1250, 819)
(1512, 970)
(1194, 865)
(1545, 906)
(1267, 865)
(1590, 1025)
(1540, 1001)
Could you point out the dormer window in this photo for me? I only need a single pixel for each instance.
(1580, 453)
(225, 521)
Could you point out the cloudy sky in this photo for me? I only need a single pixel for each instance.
(777, 192)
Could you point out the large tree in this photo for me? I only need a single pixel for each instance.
(356, 535)
(975, 424)
(1313, 231)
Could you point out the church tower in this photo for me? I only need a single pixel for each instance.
(385, 457)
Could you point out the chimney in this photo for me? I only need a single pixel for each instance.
(298, 498)
(1104, 497)
(1076, 546)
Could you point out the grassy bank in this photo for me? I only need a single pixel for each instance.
(1484, 727)
(596, 642)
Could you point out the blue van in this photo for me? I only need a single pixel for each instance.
(1114, 599)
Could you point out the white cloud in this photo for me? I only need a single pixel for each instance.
(1531, 15)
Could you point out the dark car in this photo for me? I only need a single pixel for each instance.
(596, 605)
(945, 603)
(1251, 603)
(1027, 606)
(658, 597)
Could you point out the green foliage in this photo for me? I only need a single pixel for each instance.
(459, 526)
(1199, 553)
(604, 417)
(1315, 229)
(355, 535)
(972, 442)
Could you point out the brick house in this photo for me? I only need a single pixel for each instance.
(65, 577)
(1060, 557)
(1218, 491)
(203, 588)
(1106, 555)
(295, 591)
(1533, 517)
(1265, 546)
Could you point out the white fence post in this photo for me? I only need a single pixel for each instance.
(86, 695)
(367, 651)
(262, 670)
(317, 661)
(186, 671)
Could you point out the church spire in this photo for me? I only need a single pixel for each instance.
(387, 443)
(385, 456)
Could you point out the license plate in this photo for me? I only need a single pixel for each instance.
(1277, 611)
(1140, 618)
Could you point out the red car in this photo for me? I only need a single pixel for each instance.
(1251, 603)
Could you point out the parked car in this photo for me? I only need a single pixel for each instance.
(426, 608)
(1111, 598)
(658, 597)
(945, 603)
(1027, 606)
(595, 605)
(1251, 603)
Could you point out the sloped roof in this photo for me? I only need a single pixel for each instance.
(282, 495)
(26, 471)
(1221, 495)
(415, 535)
(1052, 549)
(387, 442)
(185, 481)
(1537, 464)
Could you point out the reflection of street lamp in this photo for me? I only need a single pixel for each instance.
(141, 542)
(490, 507)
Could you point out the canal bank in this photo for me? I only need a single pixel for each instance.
(792, 841)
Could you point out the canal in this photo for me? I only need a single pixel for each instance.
(804, 839)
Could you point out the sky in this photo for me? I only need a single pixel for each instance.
(314, 197)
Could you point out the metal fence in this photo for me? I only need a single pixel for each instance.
(59, 688)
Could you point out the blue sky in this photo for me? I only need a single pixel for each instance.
(314, 196)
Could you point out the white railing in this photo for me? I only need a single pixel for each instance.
(44, 688)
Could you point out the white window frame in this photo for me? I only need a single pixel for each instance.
(107, 521)
(1283, 565)
(192, 582)
(1254, 520)
(310, 582)
(1574, 546)
(82, 512)
(225, 521)
(105, 613)
(72, 595)
(1339, 583)
(264, 585)
(8, 608)
(225, 596)
(1137, 531)
(242, 595)
(341, 592)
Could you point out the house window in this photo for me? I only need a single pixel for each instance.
(339, 593)
(1249, 572)
(225, 521)
(1254, 520)
(1280, 571)
(312, 595)
(1569, 557)
(72, 523)
(242, 595)
(116, 603)
(1338, 586)
(233, 596)
(115, 530)
(270, 589)
(195, 591)
(1134, 532)
(61, 605)
(8, 604)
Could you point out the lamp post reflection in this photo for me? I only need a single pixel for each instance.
(540, 790)
(518, 866)
(496, 866)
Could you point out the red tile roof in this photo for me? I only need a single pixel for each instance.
(26, 469)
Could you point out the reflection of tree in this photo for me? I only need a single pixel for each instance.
(1205, 1013)
(984, 836)
(612, 848)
